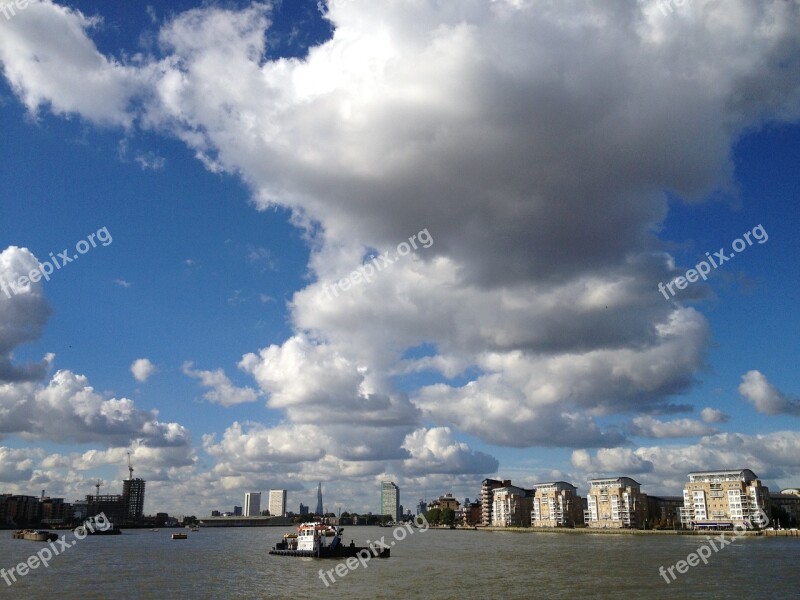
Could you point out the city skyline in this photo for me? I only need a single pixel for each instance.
(276, 245)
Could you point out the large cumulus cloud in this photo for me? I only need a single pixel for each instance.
(533, 139)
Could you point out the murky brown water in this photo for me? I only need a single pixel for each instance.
(233, 563)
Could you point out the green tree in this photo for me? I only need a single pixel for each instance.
(448, 516)
(434, 516)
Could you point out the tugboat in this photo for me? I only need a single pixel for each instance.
(315, 540)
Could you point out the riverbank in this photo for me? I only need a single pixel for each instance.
(588, 530)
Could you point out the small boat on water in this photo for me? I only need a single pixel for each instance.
(95, 526)
(195, 528)
(34, 535)
(315, 540)
(179, 536)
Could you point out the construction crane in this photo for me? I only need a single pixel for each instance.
(97, 485)
(130, 468)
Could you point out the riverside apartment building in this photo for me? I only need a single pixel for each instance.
(723, 499)
(556, 504)
(615, 503)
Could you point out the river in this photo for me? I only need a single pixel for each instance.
(233, 563)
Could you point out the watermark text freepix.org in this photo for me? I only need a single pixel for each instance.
(56, 262)
(364, 555)
(367, 271)
(8, 8)
(46, 554)
(665, 6)
(703, 268)
(704, 551)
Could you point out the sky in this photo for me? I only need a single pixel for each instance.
(265, 245)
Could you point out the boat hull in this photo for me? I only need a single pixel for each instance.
(339, 552)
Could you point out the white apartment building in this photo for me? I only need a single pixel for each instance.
(511, 506)
(723, 499)
(556, 504)
(614, 503)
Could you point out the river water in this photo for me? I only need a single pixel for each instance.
(233, 563)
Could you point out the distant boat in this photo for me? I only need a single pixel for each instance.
(179, 536)
(95, 526)
(195, 528)
(34, 535)
(154, 530)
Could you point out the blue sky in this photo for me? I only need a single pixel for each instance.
(243, 156)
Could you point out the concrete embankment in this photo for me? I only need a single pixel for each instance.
(589, 531)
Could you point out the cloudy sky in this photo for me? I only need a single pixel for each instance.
(428, 241)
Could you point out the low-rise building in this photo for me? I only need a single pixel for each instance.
(446, 501)
(785, 508)
(21, 510)
(471, 513)
(556, 504)
(615, 503)
(511, 506)
(663, 512)
(55, 511)
(723, 499)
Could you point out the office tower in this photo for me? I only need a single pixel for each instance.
(390, 500)
(319, 499)
(277, 503)
(252, 504)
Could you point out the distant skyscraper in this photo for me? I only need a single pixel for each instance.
(319, 499)
(133, 497)
(390, 500)
(252, 504)
(303, 509)
(277, 503)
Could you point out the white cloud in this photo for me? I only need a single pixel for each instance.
(68, 410)
(533, 139)
(16, 464)
(663, 469)
(50, 61)
(23, 314)
(304, 377)
(221, 389)
(647, 426)
(766, 397)
(713, 415)
(436, 451)
(143, 369)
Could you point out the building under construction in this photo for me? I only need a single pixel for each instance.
(125, 509)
